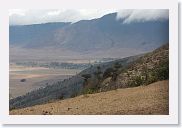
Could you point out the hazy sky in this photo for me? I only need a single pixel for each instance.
(24, 17)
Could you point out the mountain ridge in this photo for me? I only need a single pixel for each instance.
(94, 37)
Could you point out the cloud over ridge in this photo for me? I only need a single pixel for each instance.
(25, 17)
(142, 15)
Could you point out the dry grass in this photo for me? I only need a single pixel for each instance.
(143, 100)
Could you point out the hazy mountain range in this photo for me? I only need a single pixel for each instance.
(102, 37)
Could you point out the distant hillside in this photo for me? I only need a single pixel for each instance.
(101, 37)
(144, 100)
(124, 73)
(33, 36)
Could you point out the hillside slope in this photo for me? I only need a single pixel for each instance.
(124, 73)
(149, 68)
(152, 99)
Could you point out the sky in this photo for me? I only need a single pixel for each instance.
(25, 17)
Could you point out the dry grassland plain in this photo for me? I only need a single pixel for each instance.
(35, 77)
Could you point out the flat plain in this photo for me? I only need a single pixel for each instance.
(24, 79)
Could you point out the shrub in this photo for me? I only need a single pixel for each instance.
(74, 95)
(136, 81)
(108, 72)
(89, 90)
(114, 76)
(22, 80)
(86, 76)
(85, 96)
(117, 65)
(160, 72)
(61, 97)
(151, 79)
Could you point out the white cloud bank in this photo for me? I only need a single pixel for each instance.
(24, 17)
(142, 15)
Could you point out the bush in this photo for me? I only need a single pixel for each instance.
(108, 72)
(136, 81)
(151, 79)
(22, 80)
(89, 90)
(160, 72)
(163, 73)
(114, 76)
(117, 65)
(61, 97)
(74, 95)
(86, 76)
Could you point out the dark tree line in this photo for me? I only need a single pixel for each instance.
(60, 90)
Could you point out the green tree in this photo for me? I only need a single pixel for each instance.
(108, 72)
(116, 70)
(99, 75)
(86, 77)
(162, 71)
(146, 73)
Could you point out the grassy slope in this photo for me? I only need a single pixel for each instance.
(151, 99)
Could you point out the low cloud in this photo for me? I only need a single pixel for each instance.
(138, 15)
(24, 17)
